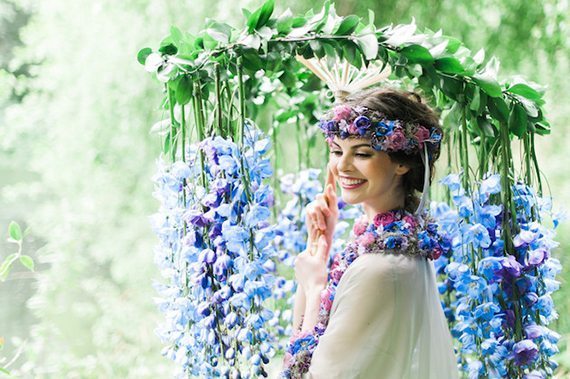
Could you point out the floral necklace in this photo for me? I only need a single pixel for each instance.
(393, 232)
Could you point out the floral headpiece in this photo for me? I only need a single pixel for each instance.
(385, 134)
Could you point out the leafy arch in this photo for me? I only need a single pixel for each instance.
(219, 80)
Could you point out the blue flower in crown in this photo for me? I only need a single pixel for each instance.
(383, 128)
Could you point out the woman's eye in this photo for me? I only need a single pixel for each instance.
(362, 155)
(336, 152)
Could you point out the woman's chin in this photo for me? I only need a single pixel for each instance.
(351, 200)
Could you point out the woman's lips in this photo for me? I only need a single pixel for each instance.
(350, 184)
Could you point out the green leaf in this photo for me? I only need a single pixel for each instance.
(298, 22)
(348, 25)
(349, 51)
(265, 13)
(498, 109)
(176, 35)
(317, 48)
(453, 88)
(417, 54)
(488, 85)
(4, 371)
(219, 31)
(142, 54)
(183, 92)
(15, 231)
(453, 44)
(369, 45)
(476, 101)
(253, 20)
(518, 120)
(166, 145)
(284, 22)
(252, 61)
(27, 261)
(525, 91)
(167, 47)
(449, 65)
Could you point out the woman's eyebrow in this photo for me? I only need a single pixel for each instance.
(355, 146)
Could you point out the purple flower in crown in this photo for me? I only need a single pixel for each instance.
(421, 135)
(362, 124)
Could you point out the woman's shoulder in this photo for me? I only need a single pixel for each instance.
(381, 266)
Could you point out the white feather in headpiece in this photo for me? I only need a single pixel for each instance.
(342, 78)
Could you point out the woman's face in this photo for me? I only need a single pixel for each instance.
(365, 175)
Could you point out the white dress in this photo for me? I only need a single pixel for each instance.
(386, 322)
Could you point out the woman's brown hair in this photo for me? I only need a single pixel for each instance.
(408, 107)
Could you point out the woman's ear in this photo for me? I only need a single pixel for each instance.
(402, 169)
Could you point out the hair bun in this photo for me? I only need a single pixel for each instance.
(415, 96)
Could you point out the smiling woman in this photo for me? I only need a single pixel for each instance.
(377, 314)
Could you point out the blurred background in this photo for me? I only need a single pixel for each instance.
(76, 160)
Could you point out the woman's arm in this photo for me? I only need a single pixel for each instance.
(299, 308)
(312, 306)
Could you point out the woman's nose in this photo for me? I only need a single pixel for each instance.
(344, 163)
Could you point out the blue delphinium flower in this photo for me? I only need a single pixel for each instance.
(498, 303)
(216, 256)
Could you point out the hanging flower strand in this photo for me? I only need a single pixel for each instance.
(218, 270)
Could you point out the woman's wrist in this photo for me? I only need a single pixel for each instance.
(314, 292)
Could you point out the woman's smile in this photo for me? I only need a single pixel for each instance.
(351, 183)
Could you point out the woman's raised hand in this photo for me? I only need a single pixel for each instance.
(322, 215)
(321, 218)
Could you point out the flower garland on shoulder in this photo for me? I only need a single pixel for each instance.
(393, 232)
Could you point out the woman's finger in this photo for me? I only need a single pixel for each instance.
(330, 178)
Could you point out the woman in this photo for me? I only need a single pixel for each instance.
(376, 312)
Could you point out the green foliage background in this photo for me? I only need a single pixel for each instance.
(76, 159)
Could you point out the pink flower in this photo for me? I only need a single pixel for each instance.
(359, 227)
(336, 274)
(352, 129)
(342, 112)
(397, 140)
(365, 239)
(436, 253)
(421, 135)
(383, 219)
(410, 220)
(327, 299)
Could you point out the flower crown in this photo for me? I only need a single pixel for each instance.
(385, 134)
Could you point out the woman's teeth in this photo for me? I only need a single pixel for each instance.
(351, 182)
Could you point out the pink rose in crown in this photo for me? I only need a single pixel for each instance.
(365, 239)
(342, 112)
(397, 140)
(359, 227)
(352, 129)
(421, 135)
(383, 219)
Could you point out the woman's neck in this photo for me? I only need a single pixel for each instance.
(385, 204)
